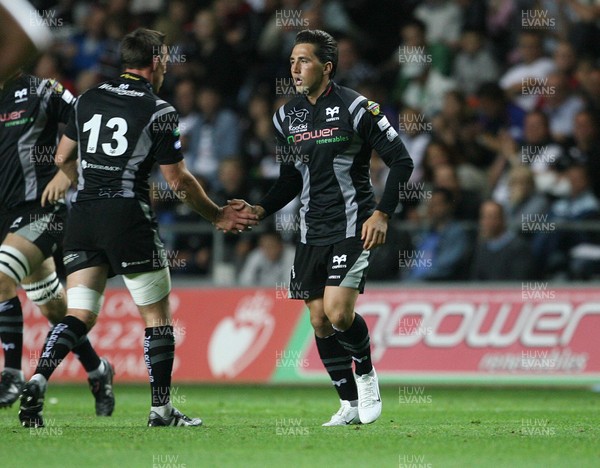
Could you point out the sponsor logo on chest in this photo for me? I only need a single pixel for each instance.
(9, 116)
(313, 135)
(297, 119)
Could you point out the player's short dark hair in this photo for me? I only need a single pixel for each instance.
(138, 48)
(326, 48)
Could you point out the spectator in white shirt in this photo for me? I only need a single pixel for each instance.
(523, 81)
(269, 264)
(427, 89)
(473, 65)
(443, 19)
(561, 106)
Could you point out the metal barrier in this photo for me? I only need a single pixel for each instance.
(221, 269)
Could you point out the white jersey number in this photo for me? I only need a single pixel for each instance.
(118, 135)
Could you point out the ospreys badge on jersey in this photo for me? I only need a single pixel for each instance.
(20, 95)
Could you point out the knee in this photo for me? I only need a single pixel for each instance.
(318, 319)
(54, 310)
(157, 314)
(85, 304)
(85, 316)
(339, 314)
(150, 288)
(8, 287)
(321, 325)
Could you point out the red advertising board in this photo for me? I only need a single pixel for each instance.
(518, 334)
(221, 335)
(535, 331)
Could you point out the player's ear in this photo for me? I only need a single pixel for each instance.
(327, 68)
(155, 60)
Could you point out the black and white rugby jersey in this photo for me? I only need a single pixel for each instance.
(123, 128)
(31, 109)
(325, 151)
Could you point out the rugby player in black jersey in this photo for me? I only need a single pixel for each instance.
(31, 230)
(119, 129)
(330, 131)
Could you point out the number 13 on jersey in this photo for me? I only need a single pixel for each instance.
(119, 127)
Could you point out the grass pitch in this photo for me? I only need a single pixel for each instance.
(425, 427)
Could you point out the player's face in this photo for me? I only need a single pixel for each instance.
(158, 74)
(306, 69)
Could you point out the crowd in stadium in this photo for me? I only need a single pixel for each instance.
(497, 103)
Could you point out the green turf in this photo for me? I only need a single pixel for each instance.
(280, 427)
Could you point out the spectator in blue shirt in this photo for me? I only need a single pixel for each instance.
(557, 249)
(443, 249)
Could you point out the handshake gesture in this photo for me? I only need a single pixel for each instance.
(237, 216)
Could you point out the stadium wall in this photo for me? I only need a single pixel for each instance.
(525, 334)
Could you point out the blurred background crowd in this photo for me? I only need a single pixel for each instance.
(497, 102)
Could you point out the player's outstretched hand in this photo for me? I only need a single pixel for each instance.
(235, 220)
(374, 230)
(56, 189)
(241, 205)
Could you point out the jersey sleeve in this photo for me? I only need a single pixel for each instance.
(166, 142)
(278, 119)
(285, 189)
(374, 127)
(289, 183)
(60, 100)
(71, 127)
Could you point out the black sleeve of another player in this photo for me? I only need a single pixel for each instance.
(385, 140)
(166, 146)
(71, 128)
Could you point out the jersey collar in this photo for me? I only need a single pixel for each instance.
(136, 78)
(325, 93)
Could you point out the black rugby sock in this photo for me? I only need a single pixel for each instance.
(11, 332)
(87, 355)
(338, 363)
(159, 353)
(356, 341)
(61, 339)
